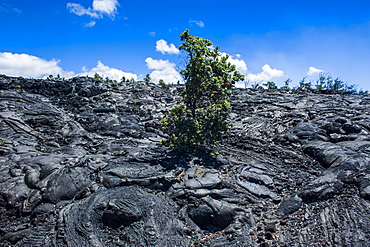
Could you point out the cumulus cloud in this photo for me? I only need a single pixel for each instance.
(98, 10)
(108, 7)
(31, 66)
(106, 71)
(163, 47)
(267, 74)
(314, 71)
(13, 64)
(198, 23)
(163, 69)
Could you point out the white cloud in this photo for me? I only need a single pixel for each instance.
(9, 9)
(267, 74)
(163, 69)
(99, 8)
(198, 23)
(314, 71)
(79, 10)
(106, 71)
(163, 47)
(13, 64)
(31, 66)
(108, 7)
(90, 24)
(153, 34)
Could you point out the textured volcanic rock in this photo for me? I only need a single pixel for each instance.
(80, 165)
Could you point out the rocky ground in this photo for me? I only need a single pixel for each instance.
(80, 165)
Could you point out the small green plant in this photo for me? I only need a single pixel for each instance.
(50, 78)
(19, 100)
(123, 79)
(257, 85)
(286, 85)
(162, 84)
(304, 86)
(147, 79)
(98, 77)
(326, 84)
(270, 85)
(18, 88)
(199, 121)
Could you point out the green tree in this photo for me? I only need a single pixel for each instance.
(147, 78)
(286, 85)
(304, 86)
(98, 77)
(162, 84)
(123, 79)
(199, 121)
(270, 85)
(326, 84)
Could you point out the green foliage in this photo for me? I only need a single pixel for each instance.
(200, 120)
(147, 78)
(326, 84)
(98, 77)
(162, 84)
(123, 79)
(257, 85)
(304, 86)
(271, 85)
(286, 85)
(19, 100)
(18, 87)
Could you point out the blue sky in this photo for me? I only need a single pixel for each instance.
(267, 40)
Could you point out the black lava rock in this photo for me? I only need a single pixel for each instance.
(81, 165)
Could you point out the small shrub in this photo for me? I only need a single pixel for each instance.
(147, 79)
(162, 84)
(286, 86)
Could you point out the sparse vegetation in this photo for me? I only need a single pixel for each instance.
(147, 78)
(286, 86)
(162, 84)
(325, 84)
(123, 79)
(98, 77)
(271, 85)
